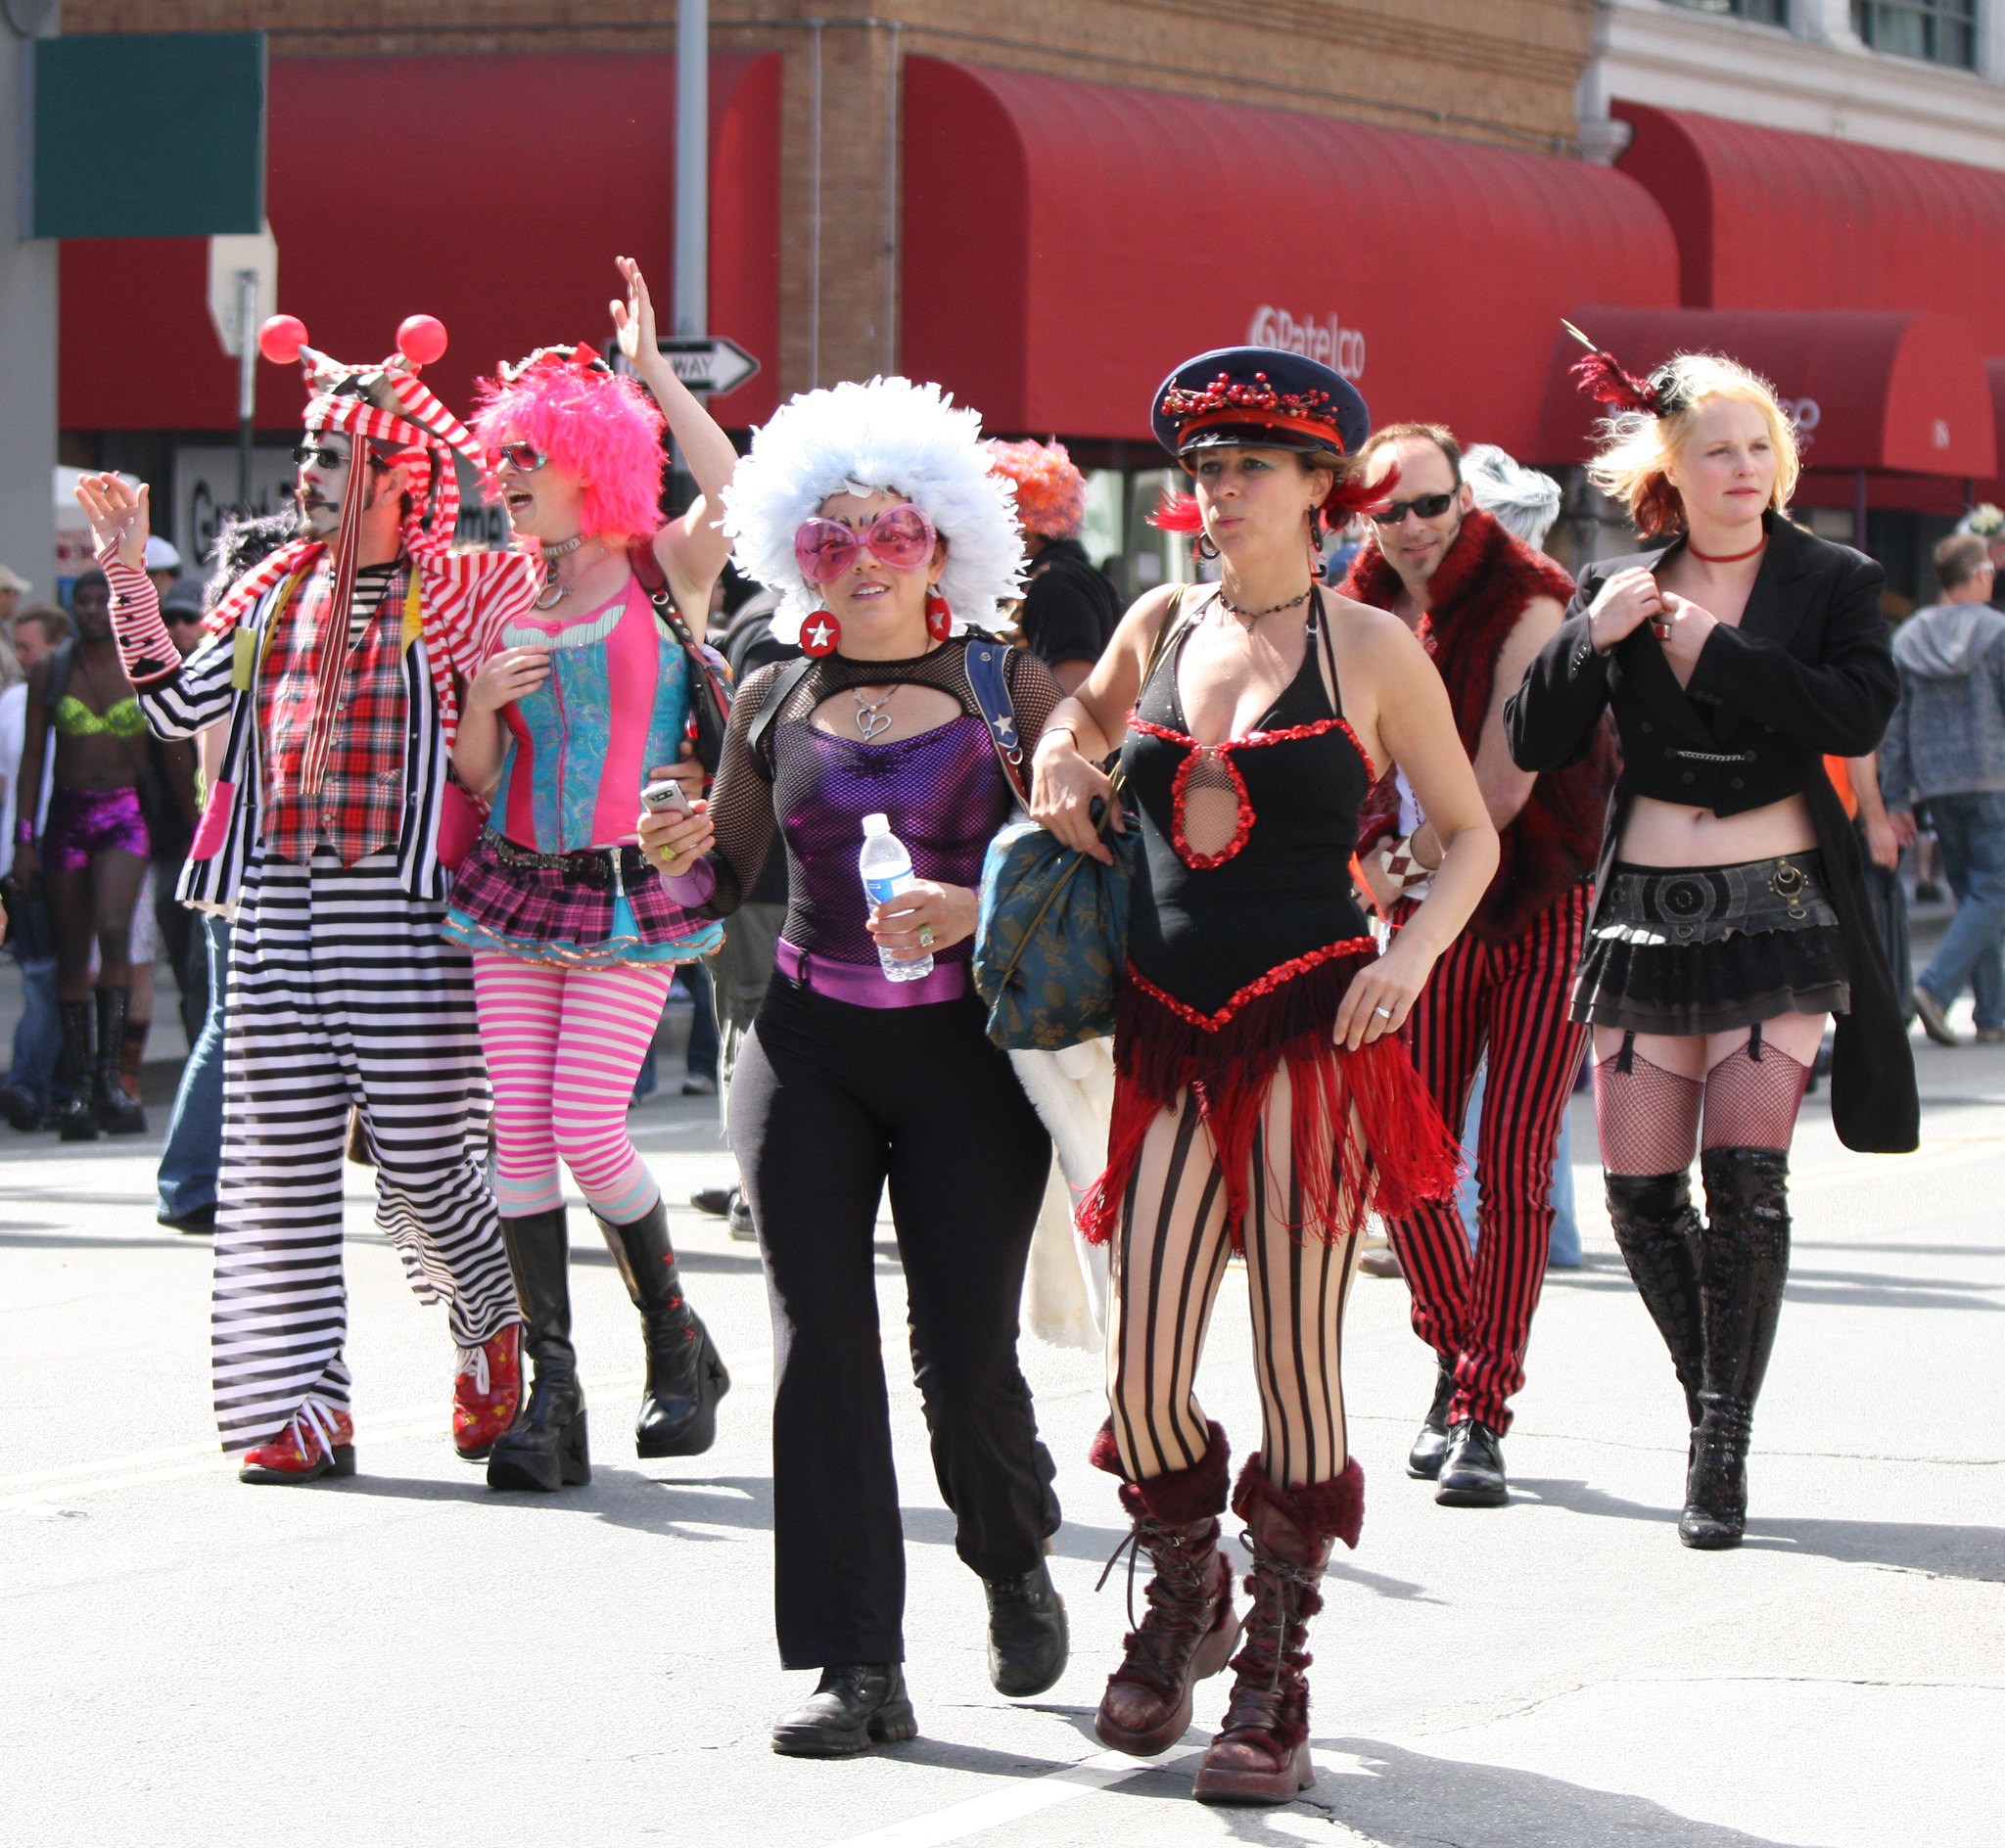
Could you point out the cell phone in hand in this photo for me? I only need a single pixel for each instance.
(667, 797)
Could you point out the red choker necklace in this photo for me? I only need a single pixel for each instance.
(1726, 558)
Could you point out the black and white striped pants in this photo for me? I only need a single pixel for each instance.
(343, 991)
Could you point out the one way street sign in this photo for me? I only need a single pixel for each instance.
(709, 362)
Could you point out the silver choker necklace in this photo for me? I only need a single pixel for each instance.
(552, 592)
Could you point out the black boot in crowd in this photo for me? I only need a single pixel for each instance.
(1659, 1234)
(75, 1117)
(1745, 1263)
(685, 1374)
(547, 1448)
(119, 1113)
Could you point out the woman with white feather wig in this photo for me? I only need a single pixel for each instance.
(872, 510)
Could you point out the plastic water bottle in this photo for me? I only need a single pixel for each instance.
(887, 870)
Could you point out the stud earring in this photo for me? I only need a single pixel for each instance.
(939, 618)
(821, 634)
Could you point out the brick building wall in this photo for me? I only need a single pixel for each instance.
(1501, 72)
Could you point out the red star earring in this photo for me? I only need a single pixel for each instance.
(821, 634)
(939, 618)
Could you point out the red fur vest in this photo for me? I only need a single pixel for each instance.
(1479, 592)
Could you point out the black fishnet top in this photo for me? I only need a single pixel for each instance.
(944, 790)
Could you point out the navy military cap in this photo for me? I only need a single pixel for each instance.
(1258, 396)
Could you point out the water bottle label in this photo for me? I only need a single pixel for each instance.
(883, 890)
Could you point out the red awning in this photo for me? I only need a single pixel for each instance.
(1770, 219)
(1065, 244)
(491, 191)
(1901, 393)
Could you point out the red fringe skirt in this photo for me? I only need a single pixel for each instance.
(1227, 1060)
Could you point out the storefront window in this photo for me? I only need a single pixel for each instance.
(1943, 31)
(1768, 12)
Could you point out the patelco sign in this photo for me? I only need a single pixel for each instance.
(1326, 341)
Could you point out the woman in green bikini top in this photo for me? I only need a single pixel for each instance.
(93, 851)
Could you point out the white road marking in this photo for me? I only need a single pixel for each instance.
(959, 1820)
(38, 1489)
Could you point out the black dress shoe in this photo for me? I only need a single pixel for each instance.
(1472, 1468)
(855, 1706)
(200, 1218)
(19, 1106)
(1028, 1641)
(1423, 1460)
(716, 1201)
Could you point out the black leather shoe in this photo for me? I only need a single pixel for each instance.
(200, 1218)
(855, 1706)
(1028, 1640)
(1472, 1468)
(740, 1219)
(685, 1374)
(716, 1201)
(1423, 1460)
(19, 1106)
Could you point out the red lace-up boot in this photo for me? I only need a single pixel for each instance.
(318, 1441)
(1191, 1627)
(1262, 1754)
(487, 1392)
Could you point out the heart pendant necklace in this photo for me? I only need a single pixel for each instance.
(871, 717)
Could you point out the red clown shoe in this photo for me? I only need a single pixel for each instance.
(486, 1393)
(319, 1441)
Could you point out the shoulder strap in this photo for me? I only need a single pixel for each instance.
(654, 581)
(987, 678)
(58, 684)
(1328, 651)
(776, 696)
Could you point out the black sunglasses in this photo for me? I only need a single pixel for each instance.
(1426, 507)
(318, 455)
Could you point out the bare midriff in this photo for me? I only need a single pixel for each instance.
(1670, 834)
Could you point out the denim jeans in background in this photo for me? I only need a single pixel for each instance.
(194, 1147)
(1971, 830)
(38, 1033)
(1563, 1252)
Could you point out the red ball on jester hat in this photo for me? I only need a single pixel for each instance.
(421, 338)
(280, 338)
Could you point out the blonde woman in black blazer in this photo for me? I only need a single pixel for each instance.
(1732, 920)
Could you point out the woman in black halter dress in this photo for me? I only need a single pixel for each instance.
(1264, 1101)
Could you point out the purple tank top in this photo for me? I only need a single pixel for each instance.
(944, 792)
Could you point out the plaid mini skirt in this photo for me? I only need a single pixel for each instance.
(1698, 949)
(601, 908)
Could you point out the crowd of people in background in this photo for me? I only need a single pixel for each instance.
(1417, 831)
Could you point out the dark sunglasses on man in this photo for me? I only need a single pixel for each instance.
(1422, 507)
(318, 455)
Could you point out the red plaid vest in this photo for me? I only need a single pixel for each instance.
(359, 809)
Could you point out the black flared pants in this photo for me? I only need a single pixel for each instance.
(829, 1102)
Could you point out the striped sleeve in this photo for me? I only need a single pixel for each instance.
(179, 698)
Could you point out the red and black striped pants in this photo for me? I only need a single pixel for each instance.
(1509, 1000)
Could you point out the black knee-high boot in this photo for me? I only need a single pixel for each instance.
(546, 1448)
(119, 1113)
(1658, 1234)
(685, 1374)
(1741, 1273)
(76, 1115)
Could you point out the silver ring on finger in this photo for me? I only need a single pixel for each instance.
(1386, 1011)
(925, 936)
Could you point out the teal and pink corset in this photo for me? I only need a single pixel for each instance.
(548, 881)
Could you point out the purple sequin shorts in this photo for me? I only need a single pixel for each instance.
(83, 822)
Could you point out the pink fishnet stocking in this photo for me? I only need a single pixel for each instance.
(1647, 1118)
(1753, 1096)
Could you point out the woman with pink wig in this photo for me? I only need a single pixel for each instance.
(578, 706)
(1069, 608)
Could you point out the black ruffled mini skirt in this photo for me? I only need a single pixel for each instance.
(1698, 949)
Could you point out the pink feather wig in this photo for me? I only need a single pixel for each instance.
(1050, 492)
(596, 426)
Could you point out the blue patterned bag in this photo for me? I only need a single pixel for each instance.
(1052, 938)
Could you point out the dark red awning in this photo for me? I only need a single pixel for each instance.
(1065, 244)
(1901, 393)
(1766, 219)
(491, 191)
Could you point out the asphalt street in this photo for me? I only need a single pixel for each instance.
(407, 1658)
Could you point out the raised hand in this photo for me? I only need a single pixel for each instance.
(120, 517)
(633, 318)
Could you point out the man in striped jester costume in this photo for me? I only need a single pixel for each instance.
(335, 665)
